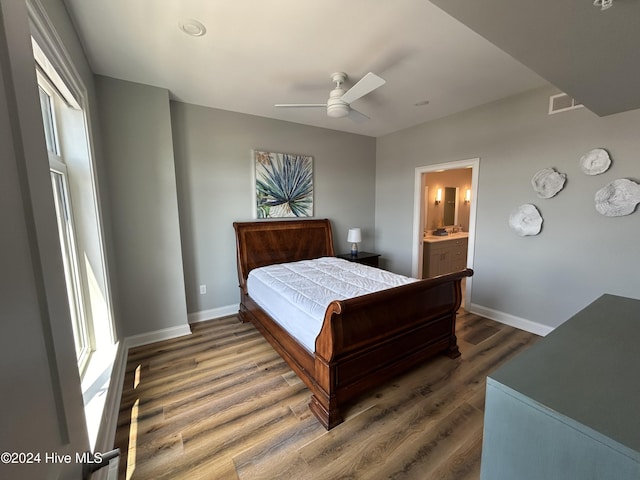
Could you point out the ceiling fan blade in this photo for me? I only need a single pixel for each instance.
(298, 105)
(357, 116)
(367, 84)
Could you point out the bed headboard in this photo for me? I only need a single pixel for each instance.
(279, 241)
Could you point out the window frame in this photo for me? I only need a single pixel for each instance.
(82, 326)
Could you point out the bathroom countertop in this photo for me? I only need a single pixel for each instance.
(451, 236)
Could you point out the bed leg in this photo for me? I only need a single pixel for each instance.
(242, 316)
(453, 351)
(328, 418)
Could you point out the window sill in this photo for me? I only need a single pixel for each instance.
(95, 385)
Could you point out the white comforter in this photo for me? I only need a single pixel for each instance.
(296, 295)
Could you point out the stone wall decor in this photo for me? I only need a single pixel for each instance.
(595, 162)
(525, 220)
(618, 198)
(547, 182)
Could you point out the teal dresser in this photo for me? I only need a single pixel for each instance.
(568, 408)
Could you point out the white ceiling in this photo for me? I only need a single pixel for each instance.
(257, 53)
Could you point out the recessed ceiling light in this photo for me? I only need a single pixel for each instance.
(421, 103)
(192, 27)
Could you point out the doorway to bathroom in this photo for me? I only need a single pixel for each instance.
(445, 200)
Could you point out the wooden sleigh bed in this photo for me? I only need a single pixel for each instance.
(364, 341)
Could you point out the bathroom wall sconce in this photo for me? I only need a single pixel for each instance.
(354, 236)
(438, 196)
(467, 197)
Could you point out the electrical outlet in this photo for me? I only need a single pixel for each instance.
(203, 289)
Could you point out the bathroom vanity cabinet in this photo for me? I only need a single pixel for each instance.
(444, 254)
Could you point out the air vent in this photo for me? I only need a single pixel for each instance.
(562, 103)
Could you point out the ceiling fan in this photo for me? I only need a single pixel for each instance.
(339, 103)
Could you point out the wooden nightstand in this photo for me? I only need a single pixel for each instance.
(366, 258)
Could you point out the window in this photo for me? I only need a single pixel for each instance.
(74, 290)
(47, 119)
(65, 114)
(64, 213)
(79, 227)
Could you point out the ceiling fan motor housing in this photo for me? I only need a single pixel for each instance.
(336, 107)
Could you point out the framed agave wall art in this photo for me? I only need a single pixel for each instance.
(284, 185)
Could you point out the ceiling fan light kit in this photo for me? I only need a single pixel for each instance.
(336, 107)
(338, 104)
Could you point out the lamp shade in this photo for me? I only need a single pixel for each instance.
(354, 236)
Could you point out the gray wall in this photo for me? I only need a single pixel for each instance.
(579, 254)
(213, 150)
(139, 165)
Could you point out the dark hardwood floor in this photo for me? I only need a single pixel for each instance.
(221, 404)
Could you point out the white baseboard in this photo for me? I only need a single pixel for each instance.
(157, 336)
(511, 320)
(219, 312)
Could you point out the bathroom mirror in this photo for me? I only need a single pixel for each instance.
(450, 203)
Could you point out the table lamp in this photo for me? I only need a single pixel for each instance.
(355, 237)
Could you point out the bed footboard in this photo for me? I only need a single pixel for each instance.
(368, 340)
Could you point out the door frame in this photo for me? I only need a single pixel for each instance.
(418, 215)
